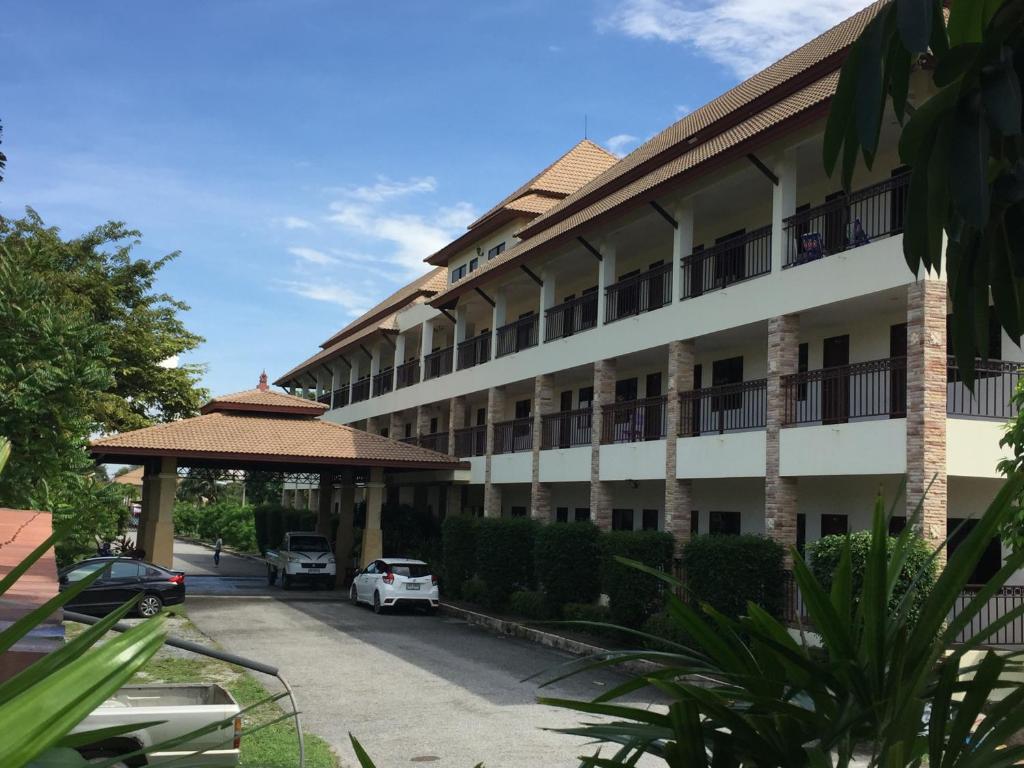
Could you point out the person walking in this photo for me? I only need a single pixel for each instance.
(217, 545)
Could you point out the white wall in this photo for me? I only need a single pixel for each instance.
(860, 448)
(735, 454)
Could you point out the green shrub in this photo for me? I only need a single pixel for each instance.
(661, 625)
(567, 559)
(458, 540)
(530, 604)
(823, 556)
(632, 594)
(410, 532)
(727, 571)
(474, 590)
(586, 612)
(234, 523)
(504, 556)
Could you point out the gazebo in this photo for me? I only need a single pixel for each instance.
(259, 429)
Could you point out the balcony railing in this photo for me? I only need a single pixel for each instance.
(634, 421)
(725, 408)
(361, 390)
(475, 351)
(847, 222)
(438, 441)
(566, 429)
(573, 316)
(410, 440)
(438, 363)
(874, 389)
(518, 335)
(408, 374)
(341, 396)
(471, 441)
(325, 398)
(732, 261)
(645, 292)
(995, 381)
(513, 436)
(383, 382)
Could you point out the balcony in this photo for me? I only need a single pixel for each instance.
(474, 351)
(725, 408)
(634, 421)
(408, 374)
(341, 396)
(410, 440)
(731, 261)
(641, 293)
(518, 335)
(566, 429)
(361, 390)
(438, 363)
(438, 441)
(513, 436)
(383, 382)
(471, 441)
(571, 317)
(847, 222)
(874, 389)
(995, 381)
(325, 398)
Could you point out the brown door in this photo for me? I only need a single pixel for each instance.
(898, 371)
(695, 411)
(654, 413)
(835, 383)
(564, 422)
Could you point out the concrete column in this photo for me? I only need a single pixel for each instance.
(456, 419)
(423, 415)
(780, 501)
(345, 537)
(682, 245)
(498, 318)
(783, 205)
(353, 373)
(323, 508)
(926, 409)
(376, 353)
(606, 275)
(396, 426)
(547, 300)
(461, 326)
(427, 339)
(600, 492)
(373, 537)
(543, 404)
(372, 426)
(678, 491)
(156, 523)
(495, 412)
(399, 358)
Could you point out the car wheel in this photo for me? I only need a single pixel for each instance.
(150, 605)
(353, 595)
(377, 607)
(271, 575)
(286, 580)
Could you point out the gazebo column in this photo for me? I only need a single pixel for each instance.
(345, 537)
(373, 539)
(323, 509)
(156, 523)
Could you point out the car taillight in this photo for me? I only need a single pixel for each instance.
(237, 743)
(178, 578)
(389, 578)
(433, 580)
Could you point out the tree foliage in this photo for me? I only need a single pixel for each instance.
(962, 139)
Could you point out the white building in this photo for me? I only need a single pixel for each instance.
(704, 336)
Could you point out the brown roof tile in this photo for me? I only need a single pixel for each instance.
(387, 325)
(264, 401)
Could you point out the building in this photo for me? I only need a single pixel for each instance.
(706, 335)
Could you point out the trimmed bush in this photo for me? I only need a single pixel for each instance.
(231, 521)
(410, 532)
(458, 540)
(474, 590)
(662, 625)
(529, 604)
(727, 571)
(823, 556)
(567, 559)
(504, 556)
(633, 596)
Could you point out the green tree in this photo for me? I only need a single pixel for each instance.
(263, 487)
(201, 484)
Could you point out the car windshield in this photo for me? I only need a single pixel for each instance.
(79, 573)
(410, 570)
(309, 544)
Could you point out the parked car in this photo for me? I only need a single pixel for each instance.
(302, 555)
(395, 581)
(125, 578)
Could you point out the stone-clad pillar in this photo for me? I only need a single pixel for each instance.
(600, 493)
(372, 426)
(543, 404)
(495, 413)
(373, 537)
(678, 492)
(156, 523)
(396, 425)
(456, 419)
(926, 408)
(783, 205)
(780, 505)
(344, 537)
(323, 505)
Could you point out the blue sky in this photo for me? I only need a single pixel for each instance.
(305, 156)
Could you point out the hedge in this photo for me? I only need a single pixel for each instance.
(504, 556)
(634, 596)
(273, 521)
(232, 522)
(458, 540)
(824, 555)
(727, 571)
(568, 563)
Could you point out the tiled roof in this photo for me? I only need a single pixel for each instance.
(131, 477)
(532, 203)
(264, 401)
(255, 439)
(21, 531)
(388, 325)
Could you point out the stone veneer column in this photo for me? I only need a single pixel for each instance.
(156, 523)
(495, 412)
(373, 537)
(395, 426)
(323, 505)
(678, 492)
(423, 416)
(456, 419)
(926, 409)
(543, 404)
(780, 507)
(600, 493)
(344, 538)
(372, 425)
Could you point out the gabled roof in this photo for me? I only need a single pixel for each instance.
(264, 400)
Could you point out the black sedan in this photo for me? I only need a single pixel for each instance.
(124, 579)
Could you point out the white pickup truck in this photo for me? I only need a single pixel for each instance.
(302, 555)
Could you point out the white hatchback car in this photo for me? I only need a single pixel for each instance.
(394, 581)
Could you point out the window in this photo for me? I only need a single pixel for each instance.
(124, 569)
(586, 397)
(491, 253)
(309, 544)
(473, 264)
(991, 559)
(408, 430)
(518, 512)
(650, 520)
(522, 409)
(82, 571)
(694, 522)
(433, 426)
(896, 525)
(622, 519)
(384, 432)
(834, 525)
(801, 532)
(724, 523)
(582, 514)
(728, 371)
(409, 570)
(801, 367)
(458, 273)
(561, 514)
(481, 416)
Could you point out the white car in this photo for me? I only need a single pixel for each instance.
(395, 581)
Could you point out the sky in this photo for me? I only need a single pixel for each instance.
(305, 156)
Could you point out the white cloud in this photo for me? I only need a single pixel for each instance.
(385, 189)
(682, 110)
(458, 216)
(295, 222)
(312, 255)
(325, 290)
(743, 35)
(617, 144)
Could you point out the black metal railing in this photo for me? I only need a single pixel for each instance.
(634, 421)
(573, 316)
(731, 261)
(438, 441)
(995, 381)
(848, 221)
(471, 441)
(361, 390)
(1005, 600)
(341, 396)
(325, 398)
(518, 335)
(725, 408)
(645, 292)
(410, 440)
(566, 429)
(513, 436)
(474, 351)
(407, 374)
(384, 382)
(438, 363)
(876, 388)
